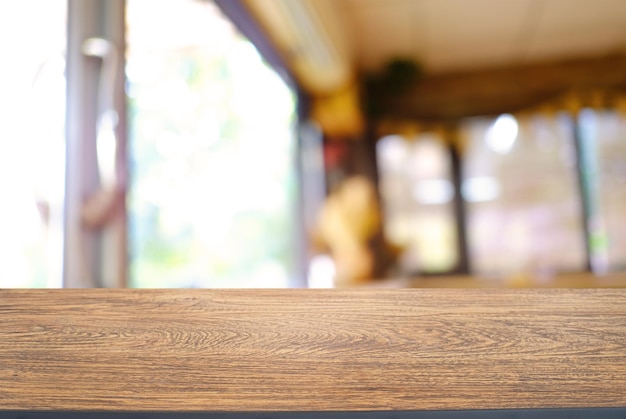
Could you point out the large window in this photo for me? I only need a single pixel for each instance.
(32, 141)
(524, 210)
(417, 190)
(542, 195)
(212, 184)
(211, 144)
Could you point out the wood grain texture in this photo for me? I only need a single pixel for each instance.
(270, 350)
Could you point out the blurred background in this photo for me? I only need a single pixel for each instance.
(312, 143)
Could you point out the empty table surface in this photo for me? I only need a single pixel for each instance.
(311, 350)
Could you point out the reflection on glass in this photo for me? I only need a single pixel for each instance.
(523, 206)
(32, 141)
(211, 148)
(417, 194)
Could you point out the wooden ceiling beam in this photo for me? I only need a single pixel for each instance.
(448, 97)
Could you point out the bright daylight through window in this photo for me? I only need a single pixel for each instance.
(32, 142)
(211, 145)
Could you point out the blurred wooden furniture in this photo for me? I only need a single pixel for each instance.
(274, 350)
(572, 280)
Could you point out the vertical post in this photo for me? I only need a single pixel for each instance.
(92, 257)
(587, 165)
(312, 188)
(460, 210)
(81, 247)
(114, 257)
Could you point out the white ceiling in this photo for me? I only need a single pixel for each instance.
(447, 35)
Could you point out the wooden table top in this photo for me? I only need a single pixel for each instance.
(275, 350)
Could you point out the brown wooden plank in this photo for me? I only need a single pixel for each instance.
(311, 349)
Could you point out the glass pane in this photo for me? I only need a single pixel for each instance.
(211, 148)
(417, 193)
(33, 39)
(604, 137)
(522, 193)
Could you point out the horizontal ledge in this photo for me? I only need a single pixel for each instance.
(316, 350)
(597, 413)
